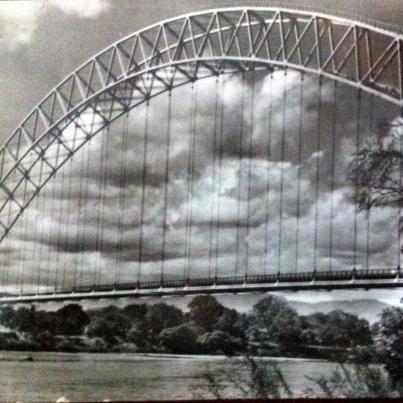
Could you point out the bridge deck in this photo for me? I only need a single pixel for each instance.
(330, 280)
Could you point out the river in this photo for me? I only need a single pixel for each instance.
(98, 377)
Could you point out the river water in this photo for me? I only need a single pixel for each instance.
(99, 377)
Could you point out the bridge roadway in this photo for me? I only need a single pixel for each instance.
(320, 280)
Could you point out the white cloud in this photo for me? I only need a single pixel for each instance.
(81, 8)
(19, 19)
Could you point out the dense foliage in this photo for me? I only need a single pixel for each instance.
(390, 341)
(272, 327)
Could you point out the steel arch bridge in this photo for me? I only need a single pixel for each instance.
(170, 54)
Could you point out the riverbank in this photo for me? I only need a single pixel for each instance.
(74, 357)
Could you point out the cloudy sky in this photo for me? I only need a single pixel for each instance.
(41, 42)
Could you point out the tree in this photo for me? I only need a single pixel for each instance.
(273, 321)
(8, 317)
(44, 340)
(390, 339)
(109, 324)
(205, 311)
(136, 312)
(139, 330)
(219, 342)
(162, 316)
(231, 322)
(377, 169)
(71, 320)
(25, 319)
(45, 321)
(139, 335)
(338, 328)
(181, 339)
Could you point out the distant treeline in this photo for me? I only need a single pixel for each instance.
(272, 327)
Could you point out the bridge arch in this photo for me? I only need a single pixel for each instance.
(180, 50)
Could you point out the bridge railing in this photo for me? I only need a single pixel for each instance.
(311, 276)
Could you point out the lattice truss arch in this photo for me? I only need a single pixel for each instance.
(175, 52)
